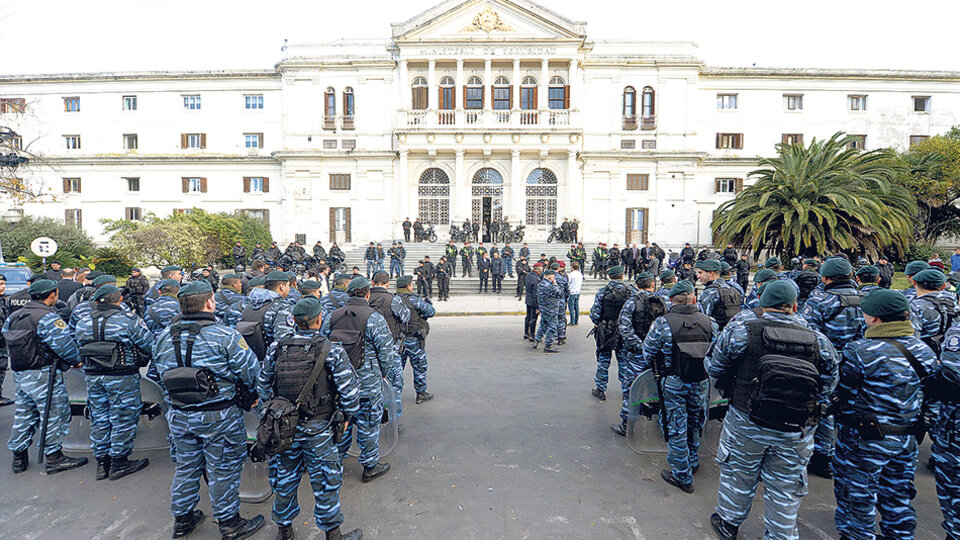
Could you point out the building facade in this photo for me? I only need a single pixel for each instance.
(473, 109)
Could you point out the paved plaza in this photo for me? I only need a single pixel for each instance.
(513, 446)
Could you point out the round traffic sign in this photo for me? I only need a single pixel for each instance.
(43, 246)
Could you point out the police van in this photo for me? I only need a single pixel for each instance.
(16, 275)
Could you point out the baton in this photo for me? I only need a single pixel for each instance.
(46, 412)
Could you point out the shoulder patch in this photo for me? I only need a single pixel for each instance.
(243, 344)
(59, 323)
(953, 344)
(807, 310)
(290, 321)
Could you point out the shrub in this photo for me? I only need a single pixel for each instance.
(110, 260)
(166, 243)
(70, 240)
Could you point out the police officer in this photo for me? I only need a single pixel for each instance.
(236, 310)
(776, 265)
(868, 278)
(270, 308)
(239, 255)
(466, 258)
(743, 271)
(668, 278)
(683, 379)
(134, 290)
(165, 308)
(396, 254)
(378, 360)
(167, 272)
(719, 300)
(451, 254)
(443, 270)
(508, 257)
(497, 270)
(752, 300)
(879, 399)
(530, 284)
(206, 424)
(338, 295)
(414, 337)
(913, 268)
(86, 306)
(310, 287)
(726, 274)
(945, 433)
(933, 309)
(4, 357)
(522, 268)
(773, 440)
(886, 272)
(319, 253)
(273, 253)
(686, 272)
(394, 311)
(836, 313)
(114, 345)
(484, 266)
(548, 302)
(635, 318)
(563, 283)
(39, 343)
(228, 294)
(257, 251)
(605, 314)
(313, 448)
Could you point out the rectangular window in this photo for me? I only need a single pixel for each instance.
(501, 98)
(330, 105)
(857, 102)
(638, 182)
(193, 140)
(71, 104)
(129, 103)
(729, 141)
(13, 105)
(628, 144)
(255, 184)
(793, 102)
(73, 217)
(133, 214)
(73, 142)
(726, 102)
(474, 97)
(191, 102)
(258, 213)
(253, 101)
(339, 181)
(557, 97)
(329, 144)
(447, 99)
(133, 184)
(71, 185)
(348, 144)
(194, 184)
(648, 144)
(728, 185)
(857, 142)
(921, 103)
(130, 141)
(917, 139)
(253, 140)
(792, 138)
(528, 98)
(348, 104)
(419, 97)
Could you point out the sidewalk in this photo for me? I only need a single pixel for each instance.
(493, 304)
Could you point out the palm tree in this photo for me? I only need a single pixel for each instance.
(826, 197)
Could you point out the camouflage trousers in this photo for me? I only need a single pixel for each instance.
(684, 404)
(628, 369)
(215, 441)
(946, 457)
(317, 454)
(825, 437)
(602, 376)
(413, 351)
(562, 319)
(114, 405)
(31, 400)
(367, 426)
(548, 328)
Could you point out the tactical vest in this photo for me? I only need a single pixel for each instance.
(296, 357)
(777, 382)
(188, 387)
(728, 303)
(948, 311)
(348, 326)
(613, 300)
(807, 281)
(27, 351)
(692, 333)
(417, 325)
(252, 330)
(648, 308)
(380, 300)
(106, 357)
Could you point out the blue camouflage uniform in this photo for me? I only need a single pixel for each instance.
(752, 299)
(277, 320)
(214, 440)
(665, 294)
(785, 276)
(748, 452)
(602, 376)
(563, 283)
(225, 298)
(32, 389)
(413, 346)
(380, 361)
(335, 299)
(925, 316)
(628, 363)
(877, 378)
(160, 313)
(293, 296)
(910, 293)
(824, 313)
(684, 402)
(548, 300)
(83, 309)
(945, 434)
(113, 399)
(709, 300)
(868, 288)
(733, 283)
(313, 445)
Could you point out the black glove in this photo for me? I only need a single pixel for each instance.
(257, 455)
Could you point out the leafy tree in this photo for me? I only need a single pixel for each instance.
(70, 240)
(165, 243)
(931, 171)
(114, 261)
(820, 198)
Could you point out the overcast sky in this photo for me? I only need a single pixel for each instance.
(54, 36)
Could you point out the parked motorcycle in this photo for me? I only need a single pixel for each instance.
(456, 235)
(556, 235)
(515, 235)
(429, 234)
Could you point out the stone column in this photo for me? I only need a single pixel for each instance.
(406, 95)
(516, 84)
(488, 84)
(403, 189)
(544, 84)
(517, 195)
(432, 84)
(462, 190)
(574, 82)
(575, 192)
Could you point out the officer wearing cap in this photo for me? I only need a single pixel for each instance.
(269, 306)
(134, 290)
(726, 274)
(85, 307)
(719, 300)
(549, 299)
(313, 448)
(751, 444)
(668, 278)
(868, 278)
(378, 361)
(636, 316)
(807, 280)
(879, 404)
(38, 322)
(165, 308)
(234, 312)
(310, 288)
(228, 294)
(683, 380)
(414, 333)
(605, 314)
(563, 284)
(912, 269)
(934, 309)
(167, 272)
(776, 265)
(466, 259)
(211, 426)
(945, 432)
(113, 388)
(752, 300)
(337, 298)
(742, 267)
(80, 295)
(836, 313)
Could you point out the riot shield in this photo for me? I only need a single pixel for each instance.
(644, 434)
(254, 482)
(389, 425)
(152, 434)
(78, 437)
(713, 423)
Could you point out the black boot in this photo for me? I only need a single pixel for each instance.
(285, 532)
(335, 534)
(237, 528)
(535, 344)
(550, 349)
(562, 341)
(669, 478)
(620, 429)
(423, 397)
(21, 460)
(103, 467)
(372, 473)
(121, 466)
(724, 530)
(599, 394)
(185, 524)
(820, 465)
(57, 462)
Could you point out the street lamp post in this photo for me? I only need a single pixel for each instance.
(10, 218)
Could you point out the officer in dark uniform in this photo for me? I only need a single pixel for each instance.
(444, 270)
(134, 291)
(406, 225)
(239, 255)
(54, 272)
(167, 272)
(22, 297)
(466, 259)
(4, 357)
(522, 269)
(605, 314)
(228, 295)
(886, 272)
(530, 283)
(868, 278)
(633, 323)
(86, 306)
(508, 258)
(743, 271)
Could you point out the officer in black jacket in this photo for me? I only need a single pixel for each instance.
(743, 271)
(483, 270)
(522, 268)
(886, 272)
(443, 272)
(531, 282)
(430, 272)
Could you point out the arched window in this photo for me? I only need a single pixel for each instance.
(487, 193)
(473, 93)
(558, 93)
(419, 89)
(434, 197)
(448, 94)
(349, 110)
(629, 102)
(528, 93)
(502, 94)
(649, 103)
(330, 108)
(542, 199)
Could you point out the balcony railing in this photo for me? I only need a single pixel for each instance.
(517, 118)
(344, 121)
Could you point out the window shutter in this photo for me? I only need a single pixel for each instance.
(203, 185)
(464, 96)
(260, 138)
(266, 184)
(566, 97)
(346, 213)
(536, 98)
(266, 216)
(718, 141)
(79, 219)
(66, 185)
(627, 227)
(483, 98)
(738, 141)
(246, 184)
(333, 224)
(79, 185)
(510, 95)
(492, 95)
(440, 102)
(183, 140)
(453, 98)
(186, 184)
(68, 217)
(203, 140)
(716, 185)
(646, 223)
(738, 185)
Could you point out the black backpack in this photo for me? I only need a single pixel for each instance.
(24, 346)
(692, 335)
(728, 305)
(251, 328)
(948, 311)
(187, 386)
(417, 325)
(348, 326)
(648, 308)
(380, 301)
(806, 281)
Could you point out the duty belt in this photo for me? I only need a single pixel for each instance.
(888, 429)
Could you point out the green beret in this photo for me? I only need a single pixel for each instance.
(105, 278)
(341, 276)
(195, 287)
(42, 286)
(915, 266)
(168, 283)
(930, 276)
(772, 262)
(357, 283)
(554, 266)
(682, 287)
(166, 269)
(94, 274)
(868, 271)
(310, 285)
(667, 274)
(106, 290)
(765, 274)
(257, 282)
(614, 272)
(885, 302)
(811, 262)
(643, 275)
(404, 281)
(836, 268)
(277, 275)
(307, 308)
(778, 292)
(230, 276)
(551, 272)
(708, 265)
(724, 266)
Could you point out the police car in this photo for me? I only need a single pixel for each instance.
(16, 275)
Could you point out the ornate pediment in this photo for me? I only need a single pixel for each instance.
(479, 20)
(487, 21)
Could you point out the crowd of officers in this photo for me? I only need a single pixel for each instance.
(822, 369)
(217, 348)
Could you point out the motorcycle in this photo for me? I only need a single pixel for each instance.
(429, 234)
(515, 235)
(556, 235)
(456, 235)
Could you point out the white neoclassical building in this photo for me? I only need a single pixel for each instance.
(473, 109)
